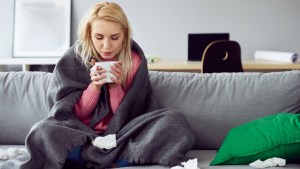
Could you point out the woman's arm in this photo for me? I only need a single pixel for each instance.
(87, 102)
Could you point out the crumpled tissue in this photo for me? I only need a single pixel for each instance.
(11, 152)
(106, 142)
(190, 164)
(271, 162)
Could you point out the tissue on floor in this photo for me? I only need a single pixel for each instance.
(271, 162)
(190, 164)
(287, 57)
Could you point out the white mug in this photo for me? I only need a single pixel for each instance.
(106, 65)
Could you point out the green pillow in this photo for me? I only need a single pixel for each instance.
(272, 136)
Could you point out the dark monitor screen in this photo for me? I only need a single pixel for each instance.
(197, 43)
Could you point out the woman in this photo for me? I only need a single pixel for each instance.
(84, 106)
(105, 36)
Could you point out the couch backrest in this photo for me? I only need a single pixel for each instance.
(23, 103)
(214, 103)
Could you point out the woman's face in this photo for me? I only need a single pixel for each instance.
(107, 38)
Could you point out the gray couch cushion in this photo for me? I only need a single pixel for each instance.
(214, 103)
(23, 102)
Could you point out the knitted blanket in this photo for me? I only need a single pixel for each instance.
(161, 136)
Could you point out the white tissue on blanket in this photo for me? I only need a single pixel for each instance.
(190, 164)
(287, 57)
(106, 142)
(271, 162)
(11, 152)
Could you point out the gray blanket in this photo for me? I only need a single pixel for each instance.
(160, 136)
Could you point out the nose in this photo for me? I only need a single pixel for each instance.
(106, 44)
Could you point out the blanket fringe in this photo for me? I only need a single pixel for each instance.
(148, 160)
(77, 143)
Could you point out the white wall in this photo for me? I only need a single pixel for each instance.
(161, 26)
(6, 28)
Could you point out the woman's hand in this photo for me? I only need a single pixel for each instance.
(98, 79)
(117, 71)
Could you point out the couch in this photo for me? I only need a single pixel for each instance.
(213, 104)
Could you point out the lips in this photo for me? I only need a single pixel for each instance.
(106, 53)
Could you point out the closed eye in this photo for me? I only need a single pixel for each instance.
(115, 37)
(99, 37)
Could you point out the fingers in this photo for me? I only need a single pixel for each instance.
(100, 71)
(98, 78)
(117, 71)
(93, 61)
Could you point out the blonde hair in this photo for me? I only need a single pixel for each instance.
(110, 12)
